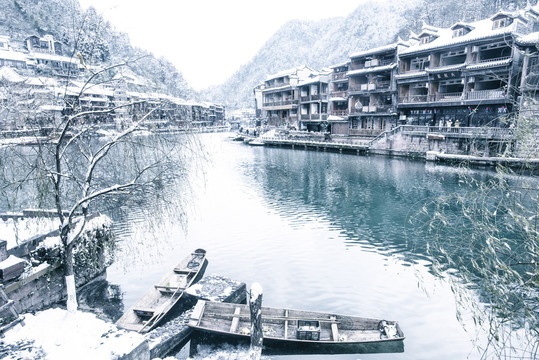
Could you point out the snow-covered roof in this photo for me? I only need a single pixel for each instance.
(377, 50)
(276, 89)
(12, 55)
(51, 108)
(315, 79)
(41, 81)
(489, 64)
(461, 24)
(10, 75)
(339, 65)
(289, 72)
(511, 15)
(335, 118)
(482, 29)
(446, 68)
(429, 33)
(410, 75)
(528, 40)
(371, 69)
(54, 57)
(338, 98)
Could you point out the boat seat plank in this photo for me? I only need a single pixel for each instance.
(168, 289)
(181, 271)
(235, 320)
(334, 328)
(147, 312)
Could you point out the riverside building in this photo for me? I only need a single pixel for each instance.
(468, 75)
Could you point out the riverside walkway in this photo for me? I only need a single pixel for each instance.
(310, 141)
(432, 143)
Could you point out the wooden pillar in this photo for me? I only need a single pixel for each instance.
(255, 307)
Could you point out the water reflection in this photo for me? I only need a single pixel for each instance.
(369, 200)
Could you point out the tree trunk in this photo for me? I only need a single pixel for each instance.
(70, 278)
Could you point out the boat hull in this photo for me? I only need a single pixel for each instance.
(331, 333)
(166, 296)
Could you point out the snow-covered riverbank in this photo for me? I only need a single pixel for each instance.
(56, 334)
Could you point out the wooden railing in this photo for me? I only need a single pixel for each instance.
(456, 96)
(339, 112)
(340, 93)
(280, 103)
(485, 132)
(320, 117)
(339, 76)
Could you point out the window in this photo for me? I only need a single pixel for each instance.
(458, 32)
(419, 64)
(424, 40)
(500, 23)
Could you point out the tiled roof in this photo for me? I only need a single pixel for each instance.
(410, 75)
(445, 68)
(528, 40)
(489, 64)
(375, 50)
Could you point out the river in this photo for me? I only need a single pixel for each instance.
(318, 230)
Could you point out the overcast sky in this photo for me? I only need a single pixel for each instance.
(207, 40)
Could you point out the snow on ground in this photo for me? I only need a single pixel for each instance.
(56, 334)
(16, 231)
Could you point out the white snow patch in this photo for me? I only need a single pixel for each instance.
(17, 231)
(11, 260)
(256, 290)
(50, 242)
(79, 335)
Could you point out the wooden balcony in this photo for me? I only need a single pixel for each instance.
(317, 97)
(338, 76)
(341, 94)
(455, 96)
(281, 103)
(372, 87)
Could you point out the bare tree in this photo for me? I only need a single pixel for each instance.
(487, 238)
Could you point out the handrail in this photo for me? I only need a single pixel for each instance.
(473, 131)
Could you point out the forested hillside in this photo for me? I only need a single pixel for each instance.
(87, 33)
(329, 42)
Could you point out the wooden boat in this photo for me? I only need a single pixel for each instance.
(161, 298)
(298, 329)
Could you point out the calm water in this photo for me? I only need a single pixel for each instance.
(319, 231)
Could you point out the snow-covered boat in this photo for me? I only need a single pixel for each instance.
(298, 329)
(161, 298)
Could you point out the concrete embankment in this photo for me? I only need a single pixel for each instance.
(476, 147)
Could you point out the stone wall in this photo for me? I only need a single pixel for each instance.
(417, 144)
(44, 284)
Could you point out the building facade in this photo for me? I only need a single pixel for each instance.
(466, 75)
(280, 96)
(372, 90)
(313, 103)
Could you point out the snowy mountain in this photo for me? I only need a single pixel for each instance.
(329, 42)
